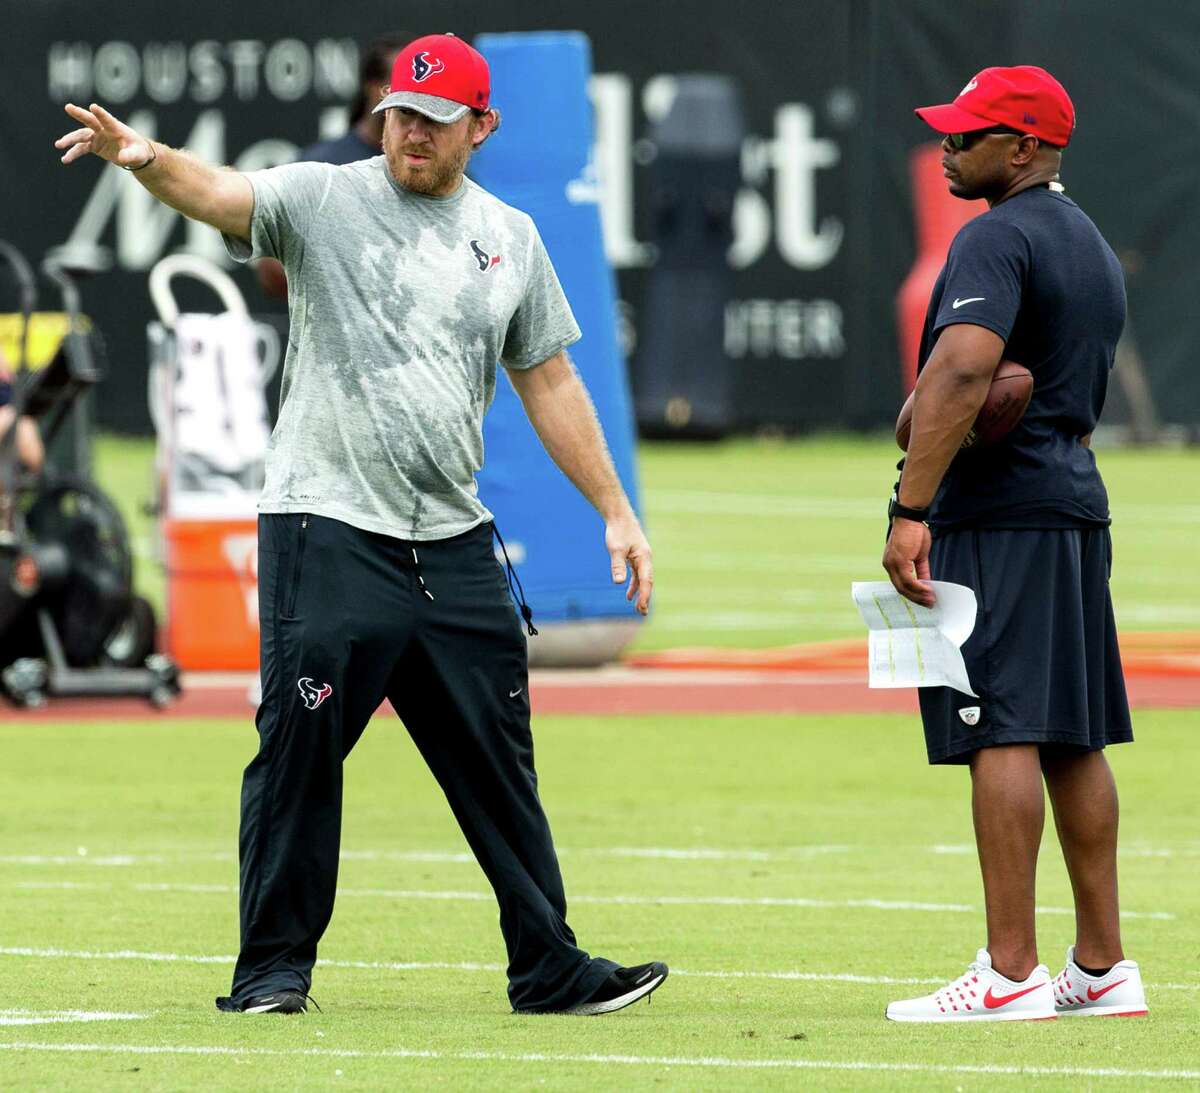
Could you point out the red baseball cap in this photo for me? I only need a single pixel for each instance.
(439, 76)
(1026, 97)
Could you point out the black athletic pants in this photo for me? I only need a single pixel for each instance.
(348, 617)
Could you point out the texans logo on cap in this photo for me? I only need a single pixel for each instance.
(425, 66)
(486, 261)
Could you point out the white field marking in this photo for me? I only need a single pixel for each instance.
(687, 853)
(119, 860)
(57, 1017)
(1147, 513)
(714, 1061)
(770, 592)
(1174, 613)
(762, 504)
(1125, 574)
(189, 958)
(208, 889)
(669, 853)
(651, 901)
(712, 853)
(466, 857)
(755, 620)
(1185, 851)
(1141, 514)
(62, 885)
(412, 855)
(795, 563)
(78, 859)
(474, 966)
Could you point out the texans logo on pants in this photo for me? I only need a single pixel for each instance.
(313, 696)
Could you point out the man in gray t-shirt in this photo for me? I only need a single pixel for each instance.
(377, 576)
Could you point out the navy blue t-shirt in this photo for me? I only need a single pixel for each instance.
(1036, 271)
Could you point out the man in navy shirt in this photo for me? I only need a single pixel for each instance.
(1023, 523)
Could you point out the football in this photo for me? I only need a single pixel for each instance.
(1005, 405)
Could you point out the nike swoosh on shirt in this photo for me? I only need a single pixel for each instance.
(969, 300)
(993, 1001)
(1093, 995)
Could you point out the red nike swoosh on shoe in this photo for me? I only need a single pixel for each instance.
(993, 1001)
(1093, 995)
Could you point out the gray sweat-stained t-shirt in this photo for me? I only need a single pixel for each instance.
(401, 304)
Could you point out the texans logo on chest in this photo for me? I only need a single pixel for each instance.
(483, 260)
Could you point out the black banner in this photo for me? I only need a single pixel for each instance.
(823, 231)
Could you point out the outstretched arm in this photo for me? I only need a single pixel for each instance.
(562, 414)
(212, 195)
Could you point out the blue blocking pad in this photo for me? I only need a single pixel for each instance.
(540, 162)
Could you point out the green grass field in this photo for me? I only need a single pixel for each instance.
(788, 868)
(756, 542)
(118, 840)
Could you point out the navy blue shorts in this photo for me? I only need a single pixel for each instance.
(1043, 656)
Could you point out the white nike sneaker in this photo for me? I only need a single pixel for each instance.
(983, 995)
(1116, 993)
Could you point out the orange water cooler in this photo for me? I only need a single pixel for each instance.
(212, 593)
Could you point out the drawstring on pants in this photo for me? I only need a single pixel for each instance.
(417, 568)
(518, 593)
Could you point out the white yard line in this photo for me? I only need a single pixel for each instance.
(62, 885)
(1139, 515)
(669, 853)
(470, 966)
(83, 857)
(760, 504)
(453, 896)
(608, 1060)
(58, 1017)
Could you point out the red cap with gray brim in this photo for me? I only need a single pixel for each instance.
(1025, 98)
(439, 76)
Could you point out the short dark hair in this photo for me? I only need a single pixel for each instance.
(374, 65)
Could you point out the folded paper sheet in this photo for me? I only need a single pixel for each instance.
(914, 646)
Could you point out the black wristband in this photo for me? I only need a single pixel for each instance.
(143, 166)
(896, 509)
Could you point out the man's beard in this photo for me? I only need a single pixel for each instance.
(432, 177)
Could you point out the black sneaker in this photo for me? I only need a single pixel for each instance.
(624, 987)
(279, 1002)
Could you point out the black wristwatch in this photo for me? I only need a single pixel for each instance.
(896, 509)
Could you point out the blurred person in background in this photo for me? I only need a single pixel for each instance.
(1025, 525)
(362, 140)
(30, 452)
(376, 568)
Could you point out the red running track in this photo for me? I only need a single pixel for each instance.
(614, 691)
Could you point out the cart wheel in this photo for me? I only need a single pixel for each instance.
(25, 681)
(162, 696)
